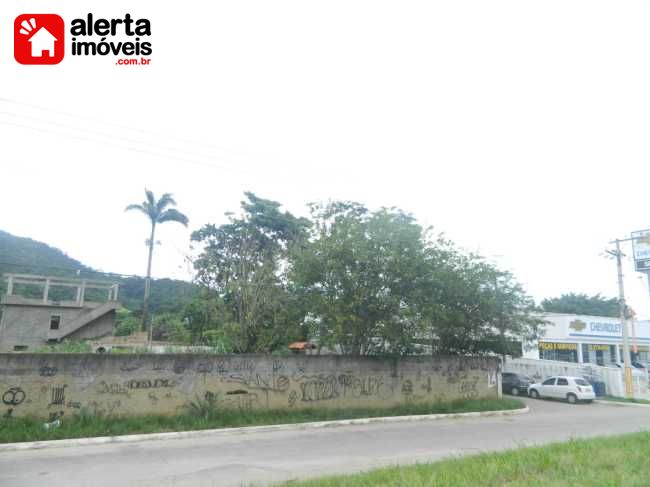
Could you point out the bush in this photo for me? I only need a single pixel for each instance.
(126, 323)
(219, 340)
(169, 327)
(66, 346)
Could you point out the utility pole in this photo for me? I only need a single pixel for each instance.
(622, 312)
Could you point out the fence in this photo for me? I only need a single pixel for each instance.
(613, 377)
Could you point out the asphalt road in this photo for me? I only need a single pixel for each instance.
(263, 458)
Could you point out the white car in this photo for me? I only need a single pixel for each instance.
(573, 389)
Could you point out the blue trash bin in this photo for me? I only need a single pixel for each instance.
(599, 389)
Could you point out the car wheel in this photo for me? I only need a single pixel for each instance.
(514, 391)
(534, 394)
(572, 398)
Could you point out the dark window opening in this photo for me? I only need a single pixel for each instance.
(20, 348)
(55, 321)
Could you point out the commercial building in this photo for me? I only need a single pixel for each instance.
(38, 310)
(589, 339)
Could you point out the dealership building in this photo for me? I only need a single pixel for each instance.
(589, 339)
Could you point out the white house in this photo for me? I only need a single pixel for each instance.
(589, 339)
(42, 41)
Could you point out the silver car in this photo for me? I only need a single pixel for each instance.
(573, 389)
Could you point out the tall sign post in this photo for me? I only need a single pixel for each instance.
(641, 247)
(622, 313)
(641, 250)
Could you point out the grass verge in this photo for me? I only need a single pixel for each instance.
(622, 399)
(202, 415)
(612, 461)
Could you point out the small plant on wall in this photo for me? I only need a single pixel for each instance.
(206, 408)
(66, 346)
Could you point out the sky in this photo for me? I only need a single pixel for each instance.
(518, 128)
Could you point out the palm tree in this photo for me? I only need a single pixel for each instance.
(157, 212)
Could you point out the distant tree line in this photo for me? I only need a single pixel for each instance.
(582, 304)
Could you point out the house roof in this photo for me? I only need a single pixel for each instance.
(42, 35)
(302, 346)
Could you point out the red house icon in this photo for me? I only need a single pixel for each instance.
(39, 39)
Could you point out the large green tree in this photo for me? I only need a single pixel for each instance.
(358, 281)
(158, 212)
(243, 265)
(582, 304)
(360, 272)
(377, 282)
(473, 307)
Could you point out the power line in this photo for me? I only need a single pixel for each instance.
(124, 127)
(108, 135)
(81, 269)
(253, 169)
(165, 136)
(131, 149)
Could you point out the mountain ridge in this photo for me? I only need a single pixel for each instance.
(24, 255)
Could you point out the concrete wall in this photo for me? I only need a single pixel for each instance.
(26, 322)
(43, 384)
(100, 327)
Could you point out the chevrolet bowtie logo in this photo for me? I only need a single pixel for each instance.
(577, 325)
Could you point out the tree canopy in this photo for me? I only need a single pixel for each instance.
(158, 212)
(243, 269)
(354, 280)
(582, 304)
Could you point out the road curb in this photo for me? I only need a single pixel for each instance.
(617, 403)
(102, 440)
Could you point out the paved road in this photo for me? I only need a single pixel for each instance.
(275, 456)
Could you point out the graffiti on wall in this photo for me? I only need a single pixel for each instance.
(168, 384)
(13, 396)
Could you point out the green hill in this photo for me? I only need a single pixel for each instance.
(26, 256)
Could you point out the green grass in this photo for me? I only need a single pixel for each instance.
(623, 399)
(203, 414)
(612, 462)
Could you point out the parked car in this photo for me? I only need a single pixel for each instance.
(573, 389)
(636, 365)
(515, 384)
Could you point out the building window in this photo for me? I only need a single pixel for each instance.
(55, 321)
(563, 352)
(585, 353)
(20, 348)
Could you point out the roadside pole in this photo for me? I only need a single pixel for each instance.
(622, 312)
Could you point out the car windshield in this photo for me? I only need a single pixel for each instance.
(581, 382)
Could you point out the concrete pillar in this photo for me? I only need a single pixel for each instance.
(82, 293)
(10, 285)
(46, 291)
(580, 360)
(116, 290)
(618, 353)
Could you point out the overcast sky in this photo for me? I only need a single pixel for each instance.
(518, 128)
